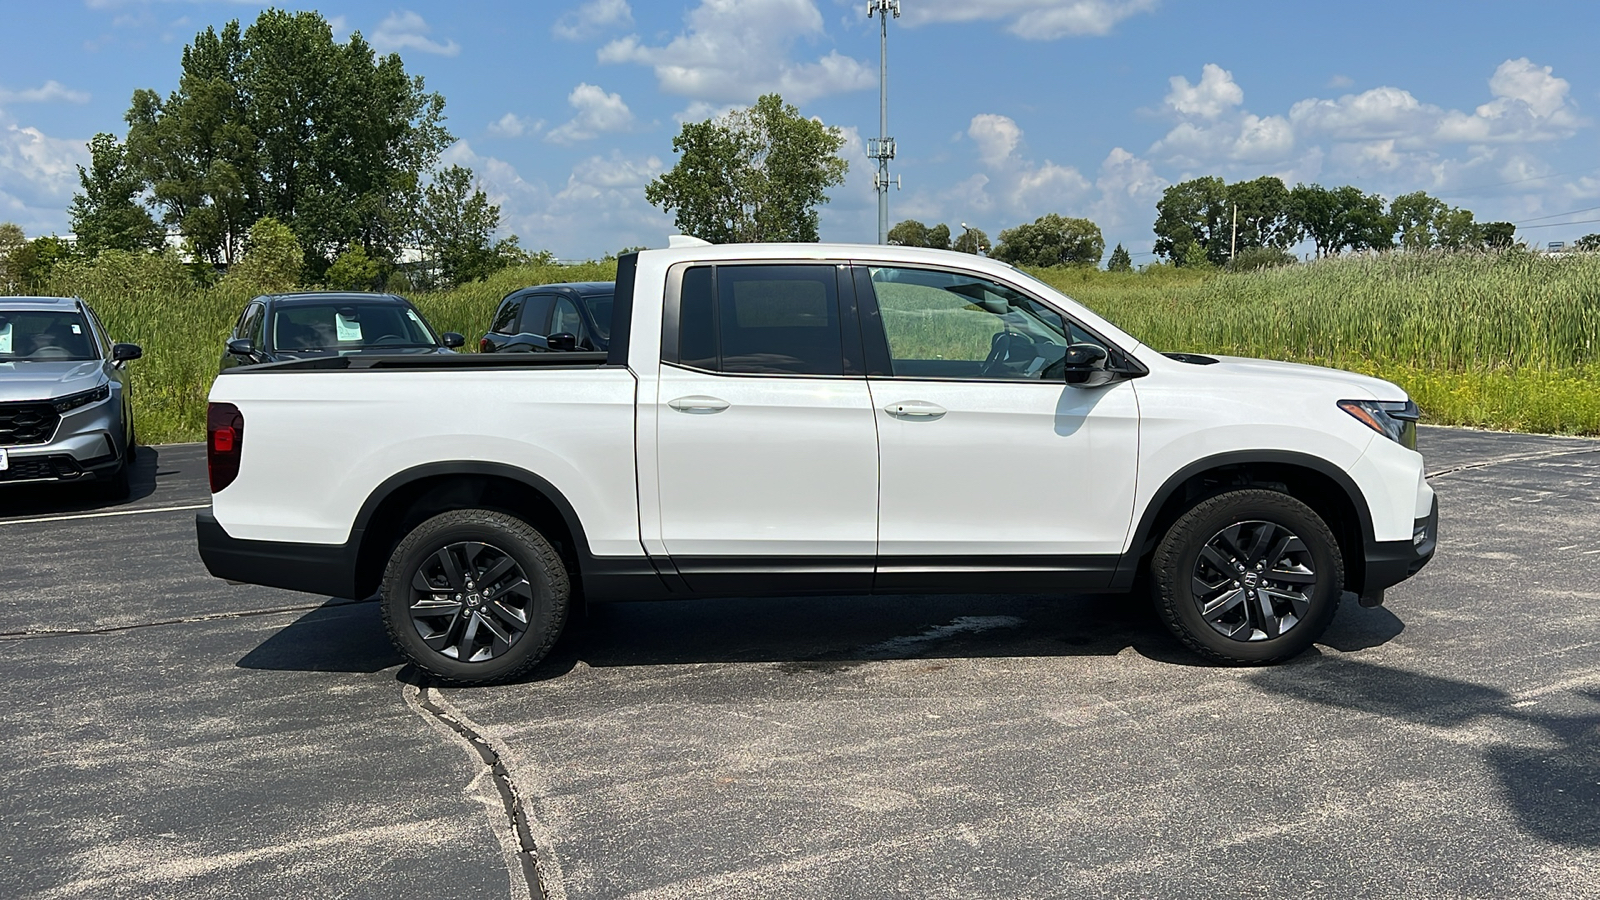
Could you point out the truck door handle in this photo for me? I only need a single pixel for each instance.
(699, 403)
(915, 409)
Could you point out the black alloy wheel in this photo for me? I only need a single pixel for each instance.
(470, 601)
(1253, 581)
(475, 596)
(1248, 577)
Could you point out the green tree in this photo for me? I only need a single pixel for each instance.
(107, 214)
(1342, 218)
(1456, 230)
(1192, 212)
(1120, 261)
(972, 240)
(273, 259)
(1262, 210)
(1052, 240)
(12, 240)
(1589, 243)
(755, 174)
(456, 225)
(912, 233)
(353, 270)
(31, 264)
(1414, 215)
(281, 120)
(1498, 235)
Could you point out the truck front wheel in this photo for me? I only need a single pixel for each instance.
(475, 596)
(1248, 577)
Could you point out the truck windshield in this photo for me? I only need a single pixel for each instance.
(45, 336)
(348, 326)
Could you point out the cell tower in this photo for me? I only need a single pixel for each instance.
(881, 148)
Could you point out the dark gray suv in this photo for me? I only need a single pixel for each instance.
(66, 412)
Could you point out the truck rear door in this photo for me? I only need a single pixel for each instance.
(767, 449)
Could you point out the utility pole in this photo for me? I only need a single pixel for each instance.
(881, 148)
(1233, 244)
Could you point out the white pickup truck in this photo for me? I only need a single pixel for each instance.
(816, 419)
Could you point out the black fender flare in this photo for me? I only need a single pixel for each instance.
(1142, 534)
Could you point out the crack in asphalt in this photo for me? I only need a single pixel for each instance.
(1525, 457)
(429, 700)
(31, 633)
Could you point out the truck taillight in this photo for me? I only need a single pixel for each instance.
(224, 443)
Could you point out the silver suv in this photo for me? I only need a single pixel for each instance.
(65, 407)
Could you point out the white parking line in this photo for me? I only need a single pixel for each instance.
(103, 515)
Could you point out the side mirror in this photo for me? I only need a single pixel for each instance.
(1085, 365)
(125, 352)
(242, 347)
(452, 340)
(562, 340)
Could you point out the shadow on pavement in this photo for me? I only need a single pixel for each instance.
(51, 498)
(338, 637)
(1554, 787)
(807, 633)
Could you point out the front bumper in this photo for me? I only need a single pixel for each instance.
(85, 444)
(1390, 562)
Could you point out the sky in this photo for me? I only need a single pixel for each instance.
(1002, 110)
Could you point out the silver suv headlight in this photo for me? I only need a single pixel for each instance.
(1394, 419)
(83, 398)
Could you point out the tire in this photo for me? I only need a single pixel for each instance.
(499, 628)
(1248, 577)
(132, 451)
(117, 485)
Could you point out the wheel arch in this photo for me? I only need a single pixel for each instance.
(1327, 489)
(408, 498)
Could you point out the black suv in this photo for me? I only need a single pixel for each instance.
(573, 316)
(277, 327)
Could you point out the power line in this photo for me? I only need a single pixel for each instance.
(1572, 212)
(1559, 225)
(1467, 192)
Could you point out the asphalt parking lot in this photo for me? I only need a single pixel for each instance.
(169, 735)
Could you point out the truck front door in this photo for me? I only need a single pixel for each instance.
(993, 468)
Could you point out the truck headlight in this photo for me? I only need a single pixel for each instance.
(82, 398)
(1394, 419)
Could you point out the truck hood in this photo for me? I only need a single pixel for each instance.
(1377, 388)
(46, 380)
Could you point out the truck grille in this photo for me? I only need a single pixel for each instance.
(27, 423)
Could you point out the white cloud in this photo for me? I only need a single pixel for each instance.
(513, 125)
(598, 113)
(1024, 187)
(407, 30)
(1530, 104)
(736, 50)
(997, 137)
(49, 92)
(38, 175)
(1214, 95)
(1341, 81)
(593, 18)
(601, 207)
(1038, 20)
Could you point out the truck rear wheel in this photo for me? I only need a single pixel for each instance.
(475, 596)
(1248, 577)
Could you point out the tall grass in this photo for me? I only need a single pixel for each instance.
(1509, 341)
